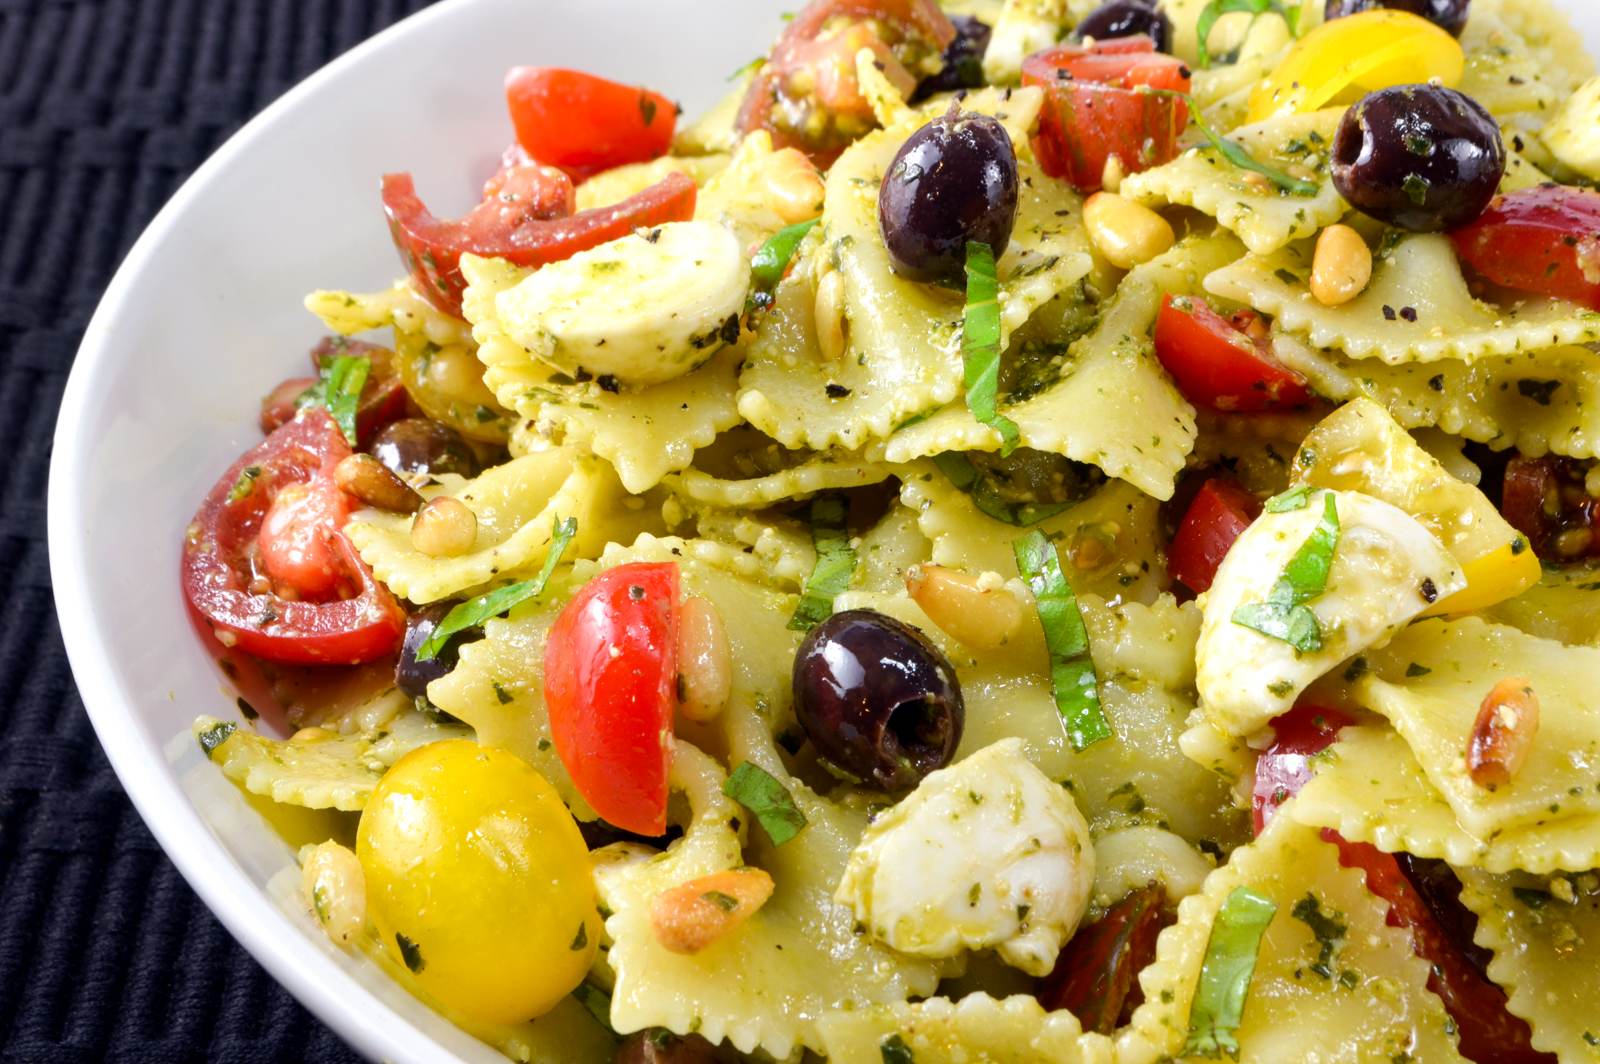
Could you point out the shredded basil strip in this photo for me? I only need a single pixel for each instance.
(1072, 675)
(836, 564)
(772, 258)
(1284, 615)
(338, 389)
(1293, 499)
(1230, 962)
(760, 792)
(216, 735)
(980, 344)
(1234, 152)
(1217, 8)
(473, 612)
(965, 476)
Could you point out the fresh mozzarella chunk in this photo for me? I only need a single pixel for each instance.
(986, 853)
(642, 309)
(1022, 28)
(1387, 568)
(1573, 135)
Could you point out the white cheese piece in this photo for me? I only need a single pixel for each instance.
(1573, 135)
(989, 852)
(1387, 569)
(643, 309)
(1022, 28)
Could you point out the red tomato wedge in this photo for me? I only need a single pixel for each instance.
(526, 221)
(610, 687)
(275, 518)
(1221, 510)
(1096, 977)
(1093, 109)
(1220, 367)
(584, 124)
(1544, 239)
(1547, 500)
(383, 397)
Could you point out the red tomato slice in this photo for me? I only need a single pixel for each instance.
(525, 222)
(1544, 239)
(278, 407)
(610, 687)
(1547, 500)
(1221, 510)
(224, 558)
(383, 397)
(584, 124)
(1093, 109)
(1096, 976)
(1218, 366)
(1284, 767)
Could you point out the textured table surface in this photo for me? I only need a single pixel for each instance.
(105, 107)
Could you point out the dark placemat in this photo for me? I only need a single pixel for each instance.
(105, 107)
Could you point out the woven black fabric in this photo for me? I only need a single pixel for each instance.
(105, 107)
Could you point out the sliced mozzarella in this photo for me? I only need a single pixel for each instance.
(989, 852)
(1387, 569)
(642, 309)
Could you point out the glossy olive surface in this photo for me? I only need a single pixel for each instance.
(1126, 18)
(1449, 15)
(963, 59)
(413, 676)
(953, 181)
(877, 699)
(1420, 157)
(420, 445)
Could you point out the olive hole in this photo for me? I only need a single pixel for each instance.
(919, 728)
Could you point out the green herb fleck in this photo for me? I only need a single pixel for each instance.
(216, 735)
(1293, 499)
(410, 953)
(895, 1051)
(1531, 897)
(726, 902)
(1326, 926)
(245, 484)
(1414, 670)
(581, 939)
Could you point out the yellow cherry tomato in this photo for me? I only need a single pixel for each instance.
(1342, 60)
(1502, 573)
(478, 881)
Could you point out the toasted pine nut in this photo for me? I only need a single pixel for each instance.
(690, 917)
(1125, 232)
(1503, 734)
(795, 187)
(705, 668)
(1341, 266)
(444, 527)
(828, 313)
(335, 888)
(972, 615)
(375, 484)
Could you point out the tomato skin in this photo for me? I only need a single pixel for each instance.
(1218, 366)
(1544, 239)
(1221, 510)
(383, 397)
(528, 221)
(1093, 110)
(1284, 767)
(221, 552)
(278, 407)
(1096, 977)
(1546, 499)
(610, 686)
(584, 124)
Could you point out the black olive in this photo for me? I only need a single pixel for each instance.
(877, 700)
(1418, 156)
(953, 181)
(413, 676)
(1126, 18)
(1449, 15)
(657, 1045)
(963, 60)
(418, 445)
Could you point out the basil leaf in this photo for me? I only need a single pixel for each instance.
(1225, 974)
(473, 612)
(215, 736)
(836, 563)
(1293, 499)
(1307, 571)
(1072, 675)
(980, 344)
(1284, 614)
(964, 475)
(338, 390)
(1234, 152)
(1217, 8)
(772, 258)
(760, 792)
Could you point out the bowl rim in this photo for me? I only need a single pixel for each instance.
(331, 993)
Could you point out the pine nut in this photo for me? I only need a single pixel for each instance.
(444, 527)
(828, 313)
(1503, 734)
(705, 669)
(1125, 232)
(335, 889)
(1341, 267)
(795, 187)
(974, 616)
(376, 485)
(690, 917)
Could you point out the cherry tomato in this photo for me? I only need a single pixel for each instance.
(279, 406)
(478, 881)
(1284, 767)
(226, 579)
(527, 220)
(383, 397)
(1544, 239)
(1219, 366)
(1221, 510)
(1093, 109)
(1096, 977)
(610, 687)
(584, 124)
(1547, 500)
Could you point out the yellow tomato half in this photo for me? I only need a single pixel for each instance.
(1340, 61)
(478, 881)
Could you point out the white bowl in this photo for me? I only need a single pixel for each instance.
(205, 315)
